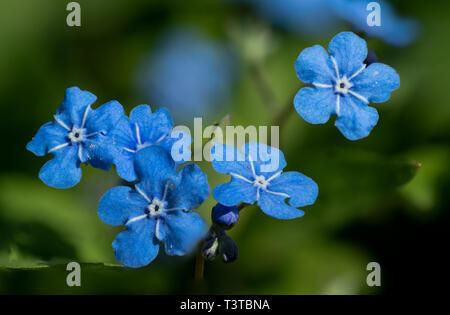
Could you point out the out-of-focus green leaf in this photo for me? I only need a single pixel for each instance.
(95, 278)
(352, 183)
(423, 191)
(39, 223)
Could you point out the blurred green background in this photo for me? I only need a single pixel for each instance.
(375, 202)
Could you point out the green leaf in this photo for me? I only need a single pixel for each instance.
(352, 183)
(50, 267)
(39, 223)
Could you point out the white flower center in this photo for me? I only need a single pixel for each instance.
(342, 85)
(156, 207)
(76, 135)
(261, 182)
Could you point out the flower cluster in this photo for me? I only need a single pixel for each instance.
(156, 205)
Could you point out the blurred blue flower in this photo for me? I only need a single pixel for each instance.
(141, 130)
(225, 216)
(78, 134)
(252, 181)
(155, 210)
(343, 85)
(187, 73)
(394, 30)
(306, 17)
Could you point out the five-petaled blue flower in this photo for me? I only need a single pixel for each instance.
(256, 176)
(343, 85)
(155, 209)
(79, 134)
(141, 130)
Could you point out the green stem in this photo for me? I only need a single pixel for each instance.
(199, 263)
(285, 112)
(262, 84)
(199, 260)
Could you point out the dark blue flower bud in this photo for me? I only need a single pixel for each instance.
(228, 249)
(210, 248)
(224, 216)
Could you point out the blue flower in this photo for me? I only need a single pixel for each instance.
(343, 85)
(305, 17)
(188, 73)
(394, 30)
(141, 130)
(256, 176)
(79, 134)
(155, 209)
(224, 216)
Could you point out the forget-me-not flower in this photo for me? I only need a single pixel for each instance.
(343, 85)
(155, 209)
(141, 130)
(188, 73)
(251, 182)
(79, 134)
(394, 30)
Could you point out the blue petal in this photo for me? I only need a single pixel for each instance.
(349, 50)
(100, 123)
(104, 118)
(181, 152)
(137, 246)
(267, 160)
(227, 159)
(155, 168)
(301, 189)
(275, 206)
(355, 119)
(235, 192)
(315, 105)
(48, 136)
(180, 231)
(121, 204)
(376, 82)
(151, 126)
(125, 166)
(312, 66)
(191, 191)
(124, 140)
(63, 171)
(100, 151)
(72, 109)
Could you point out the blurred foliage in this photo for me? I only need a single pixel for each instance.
(375, 202)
